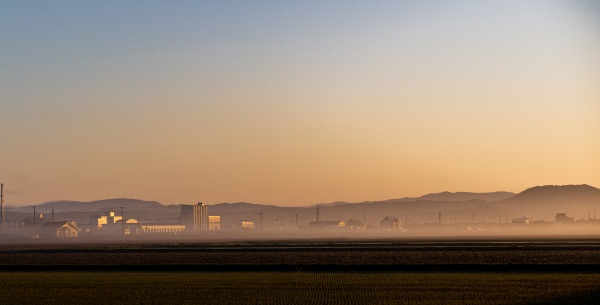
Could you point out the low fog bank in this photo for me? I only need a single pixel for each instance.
(423, 232)
(542, 212)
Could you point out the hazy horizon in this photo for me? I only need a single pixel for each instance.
(418, 197)
(296, 103)
(210, 203)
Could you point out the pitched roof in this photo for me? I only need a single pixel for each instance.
(55, 225)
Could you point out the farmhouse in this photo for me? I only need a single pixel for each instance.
(354, 223)
(390, 223)
(58, 229)
(562, 218)
(521, 221)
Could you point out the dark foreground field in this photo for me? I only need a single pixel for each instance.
(561, 271)
(297, 288)
(584, 253)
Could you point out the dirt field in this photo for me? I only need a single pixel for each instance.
(297, 288)
(365, 253)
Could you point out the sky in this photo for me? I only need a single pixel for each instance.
(295, 102)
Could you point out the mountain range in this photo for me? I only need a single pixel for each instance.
(540, 202)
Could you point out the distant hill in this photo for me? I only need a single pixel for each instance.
(91, 206)
(545, 201)
(542, 202)
(240, 207)
(463, 196)
(331, 204)
(557, 193)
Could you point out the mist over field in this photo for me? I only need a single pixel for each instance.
(538, 211)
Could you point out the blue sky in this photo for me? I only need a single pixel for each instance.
(296, 102)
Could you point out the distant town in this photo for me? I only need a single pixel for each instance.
(441, 214)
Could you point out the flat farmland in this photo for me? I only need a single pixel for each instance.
(308, 253)
(303, 272)
(297, 288)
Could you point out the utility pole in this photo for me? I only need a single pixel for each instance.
(296, 221)
(34, 224)
(499, 221)
(260, 220)
(365, 220)
(406, 220)
(589, 216)
(51, 225)
(276, 220)
(317, 216)
(122, 222)
(2, 216)
(440, 218)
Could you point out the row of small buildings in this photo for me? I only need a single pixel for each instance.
(388, 223)
(193, 218)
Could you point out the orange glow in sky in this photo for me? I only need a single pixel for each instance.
(296, 104)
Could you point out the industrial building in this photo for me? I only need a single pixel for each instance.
(148, 228)
(195, 217)
(245, 225)
(106, 218)
(214, 223)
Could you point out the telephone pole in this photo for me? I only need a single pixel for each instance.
(260, 220)
(2, 216)
(589, 216)
(317, 216)
(281, 223)
(34, 224)
(440, 218)
(122, 222)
